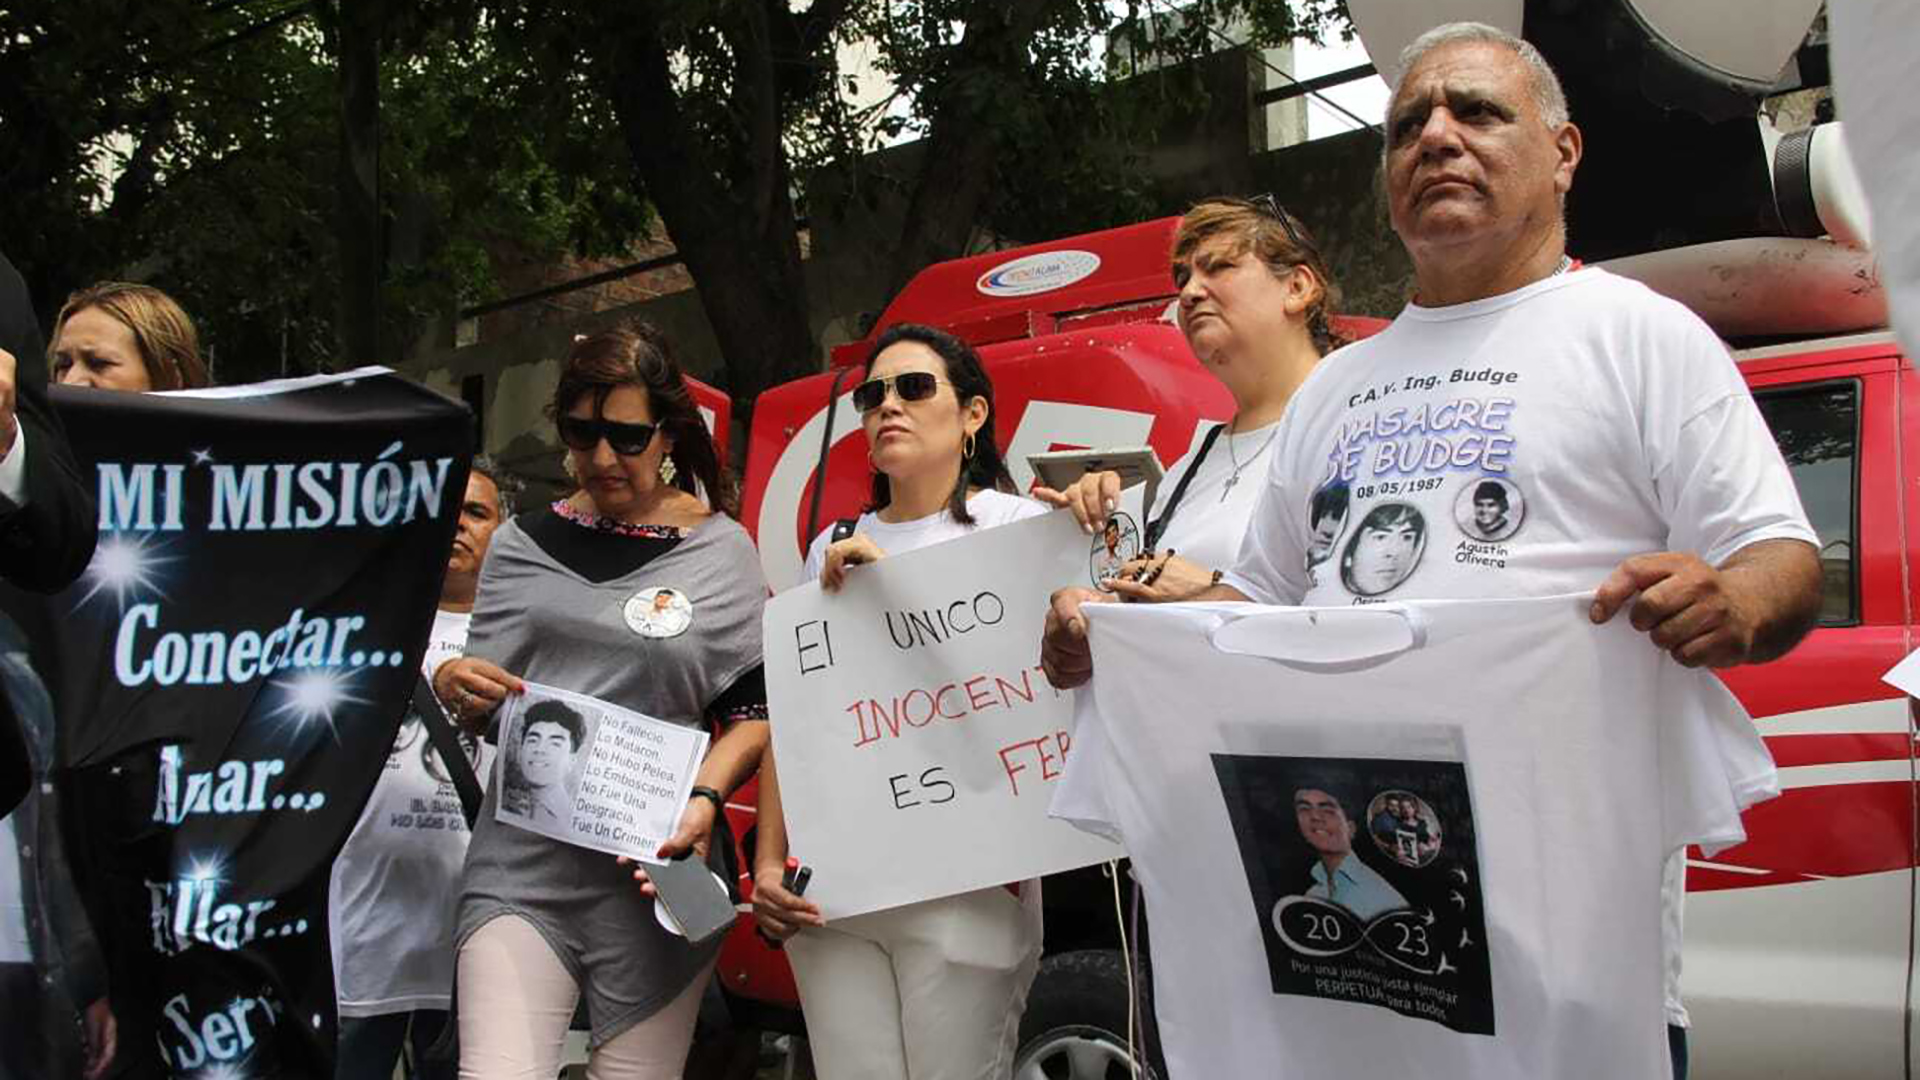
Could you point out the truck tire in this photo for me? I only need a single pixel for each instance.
(1075, 1027)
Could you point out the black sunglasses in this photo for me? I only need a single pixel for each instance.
(1270, 206)
(625, 439)
(910, 385)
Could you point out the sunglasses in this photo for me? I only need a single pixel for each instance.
(1270, 206)
(625, 439)
(910, 385)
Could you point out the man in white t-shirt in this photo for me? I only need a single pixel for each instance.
(397, 881)
(1632, 455)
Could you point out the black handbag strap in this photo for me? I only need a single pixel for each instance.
(1159, 526)
(820, 467)
(446, 742)
(843, 529)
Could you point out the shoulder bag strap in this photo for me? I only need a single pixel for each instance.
(1158, 527)
(446, 741)
(820, 467)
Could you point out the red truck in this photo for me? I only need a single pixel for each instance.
(1798, 941)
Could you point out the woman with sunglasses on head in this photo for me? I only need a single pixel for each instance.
(1255, 298)
(1254, 301)
(932, 990)
(569, 597)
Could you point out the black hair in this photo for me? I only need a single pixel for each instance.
(1329, 501)
(984, 468)
(1387, 515)
(1492, 491)
(554, 712)
(506, 485)
(1342, 792)
(1382, 517)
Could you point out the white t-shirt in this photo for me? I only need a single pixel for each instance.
(396, 884)
(1495, 786)
(1211, 520)
(1520, 445)
(1207, 527)
(1673, 907)
(15, 946)
(988, 507)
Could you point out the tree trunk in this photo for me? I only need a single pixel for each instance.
(358, 40)
(965, 142)
(727, 203)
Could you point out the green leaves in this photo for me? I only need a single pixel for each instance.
(197, 144)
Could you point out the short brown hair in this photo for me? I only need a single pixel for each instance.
(169, 344)
(1255, 228)
(638, 355)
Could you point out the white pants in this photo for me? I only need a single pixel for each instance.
(516, 1001)
(930, 991)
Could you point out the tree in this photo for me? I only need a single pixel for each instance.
(209, 146)
(84, 122)
(724, 104)
(200, 145)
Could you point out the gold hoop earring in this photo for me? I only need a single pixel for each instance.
(967, 454)
(668, 470)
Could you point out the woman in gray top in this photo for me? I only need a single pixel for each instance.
(637, 592)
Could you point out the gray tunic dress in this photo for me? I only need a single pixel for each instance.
(542, 621)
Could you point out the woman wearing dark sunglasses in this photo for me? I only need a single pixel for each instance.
(933, 989)
(1255, 303)
(572, 596)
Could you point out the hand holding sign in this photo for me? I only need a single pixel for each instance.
(1089, 499)
(472, 688)
(856, 550)
(910, 718)
(591, 773)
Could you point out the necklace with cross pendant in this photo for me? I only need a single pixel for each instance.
(1234, 459)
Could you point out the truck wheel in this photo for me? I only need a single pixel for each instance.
(1075, 1027)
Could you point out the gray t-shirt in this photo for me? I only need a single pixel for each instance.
(540, 620)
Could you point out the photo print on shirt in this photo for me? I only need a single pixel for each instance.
(659, 611)
(1384, 549)
(1489, 509)
(1364, 880)
(1326, 519)
(430, 754)
(1113, 547)
(411, 731)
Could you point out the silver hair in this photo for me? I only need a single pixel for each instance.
(504, 482)
(1548, 95)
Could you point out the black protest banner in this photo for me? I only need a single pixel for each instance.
(228, 677)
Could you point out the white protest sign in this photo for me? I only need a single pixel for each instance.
(918, 741)
(591, 773)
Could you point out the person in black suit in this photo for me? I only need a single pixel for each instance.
(47, 518)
